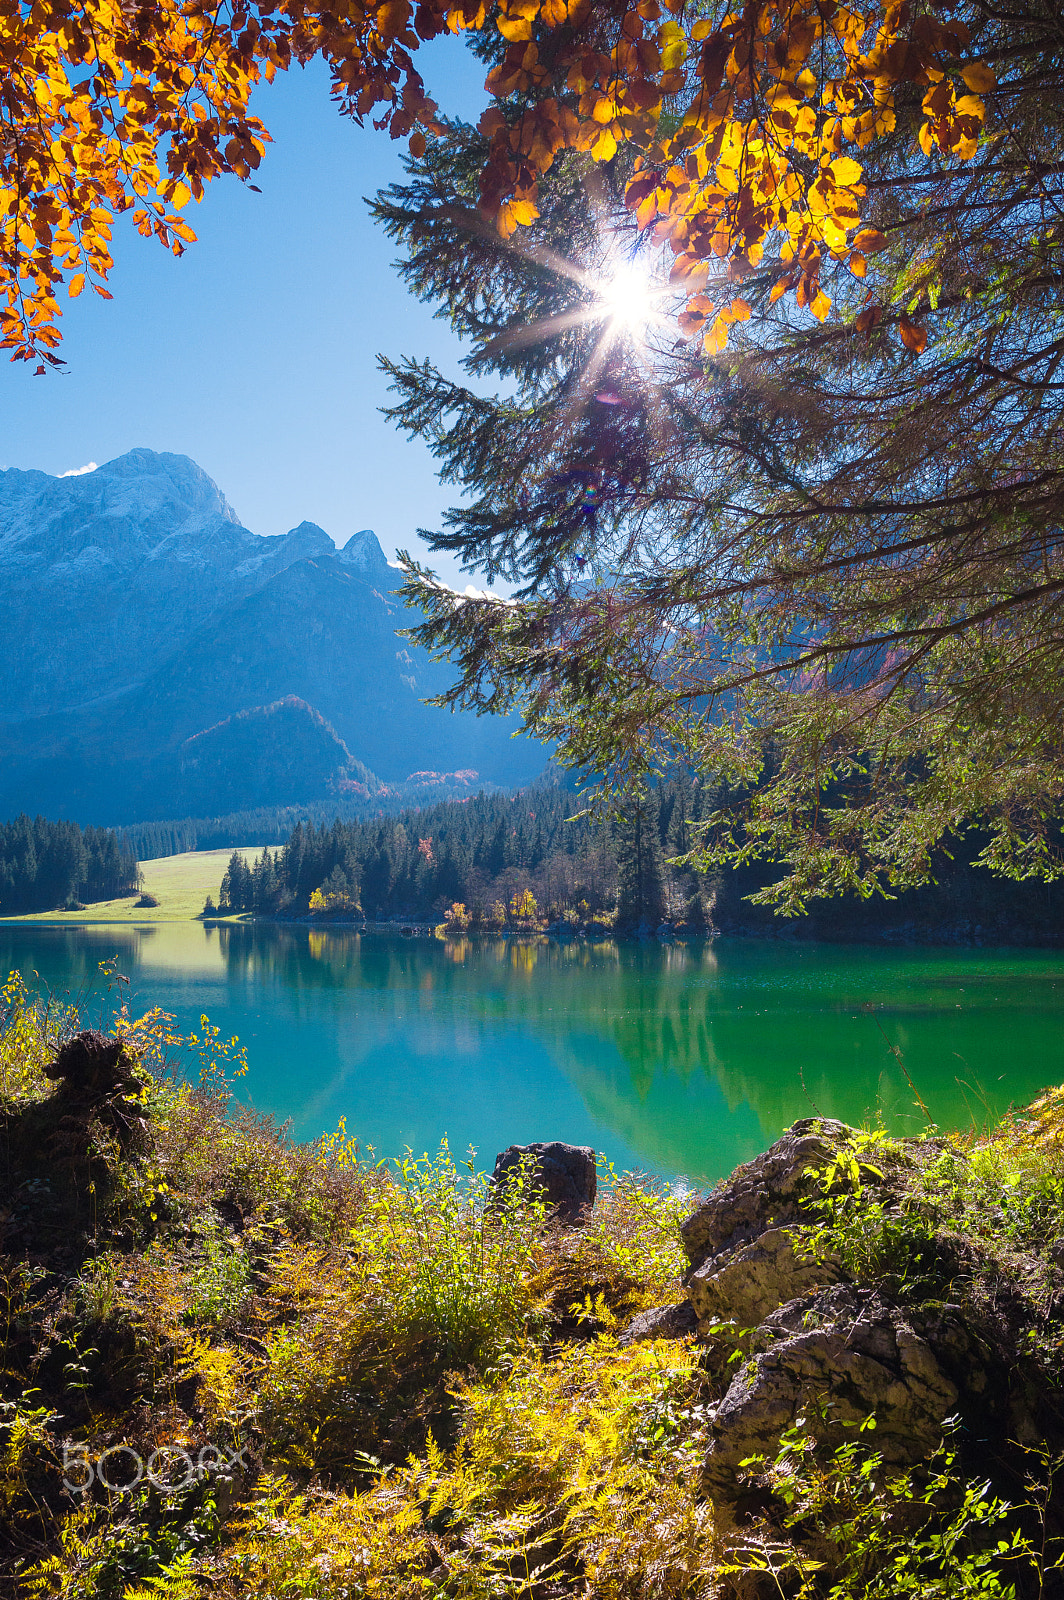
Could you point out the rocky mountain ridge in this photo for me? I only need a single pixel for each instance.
(137, 613)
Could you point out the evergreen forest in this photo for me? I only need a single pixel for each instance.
(488, 862)
(45, 866)
(530, 861)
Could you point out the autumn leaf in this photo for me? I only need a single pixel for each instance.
(978, 76)
(913, 336)
(514, 214)
(869, 241)
(846, 171)
(693, 317)
(717, 337)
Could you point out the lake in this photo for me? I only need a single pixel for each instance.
(671, 1059)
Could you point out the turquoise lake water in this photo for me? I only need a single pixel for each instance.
(676, 1060)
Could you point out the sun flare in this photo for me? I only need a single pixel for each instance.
(626, 299)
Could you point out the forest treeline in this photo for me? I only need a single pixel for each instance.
(487, 862)
(258, 825)
(517, 861)
(45, 866)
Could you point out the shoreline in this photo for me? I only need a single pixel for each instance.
(940, 937)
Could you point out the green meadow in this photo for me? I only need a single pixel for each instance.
(180, 884)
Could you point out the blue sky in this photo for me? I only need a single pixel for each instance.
(256, 352)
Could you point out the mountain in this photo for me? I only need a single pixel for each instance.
(157, 658)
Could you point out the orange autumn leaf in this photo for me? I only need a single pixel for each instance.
(693, 317)
(913, 336)
(869, 241)
(514, 214)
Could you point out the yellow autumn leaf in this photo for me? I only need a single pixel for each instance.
(846, 171)
(604, 147)
(717, 337)
(978, 76)
(77, 283)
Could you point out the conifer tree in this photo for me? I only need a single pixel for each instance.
(640, 868)
(825, 566)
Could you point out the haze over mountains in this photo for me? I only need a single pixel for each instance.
(159, 659)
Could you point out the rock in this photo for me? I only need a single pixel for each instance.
(1056, 1252)
(745, 1285)
(564, 1173)
(766, 1191)
(661, 1322)
(840, 1355)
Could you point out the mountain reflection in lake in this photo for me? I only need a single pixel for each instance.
(679, 1060)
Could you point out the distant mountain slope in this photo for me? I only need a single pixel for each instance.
(137, 613)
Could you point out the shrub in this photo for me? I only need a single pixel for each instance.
(932, 1533)
(32, 1028)
(432, 1278)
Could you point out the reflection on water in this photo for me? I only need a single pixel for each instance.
(675, 1059)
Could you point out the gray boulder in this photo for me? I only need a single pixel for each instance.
(764, 1192)
(660, 1322)
(565, 1175)
(745, 1285)
(840, 1355)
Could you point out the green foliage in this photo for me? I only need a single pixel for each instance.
(31, 1029)
(451, 1261)
(219, 1286)
(877, 1238)
(526, 852)
(820, 568)
(143, 1546)
(929, 1532)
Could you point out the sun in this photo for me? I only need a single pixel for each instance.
(626, 299)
